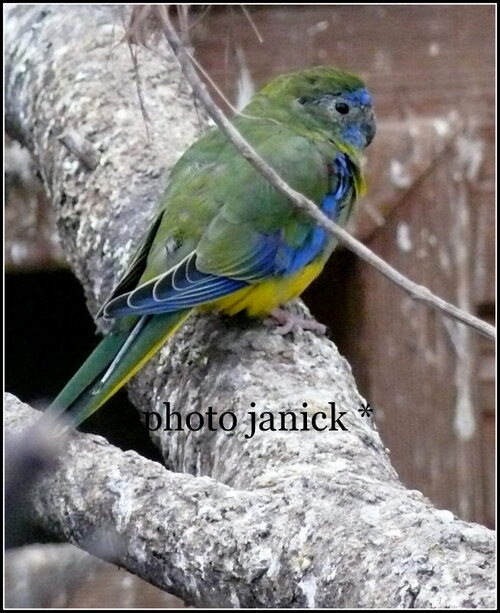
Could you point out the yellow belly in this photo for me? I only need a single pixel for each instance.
(260, 299)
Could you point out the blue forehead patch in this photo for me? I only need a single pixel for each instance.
(359, 96)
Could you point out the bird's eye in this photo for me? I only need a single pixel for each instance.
(301, 100)
(342, 108)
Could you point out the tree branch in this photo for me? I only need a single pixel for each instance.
(417, 292)
(284, 518)
(307, 534)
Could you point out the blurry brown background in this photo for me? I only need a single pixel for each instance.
(429, 211)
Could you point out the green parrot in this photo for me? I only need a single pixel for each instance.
(223, 237)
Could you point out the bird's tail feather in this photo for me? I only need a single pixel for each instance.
(114, 361)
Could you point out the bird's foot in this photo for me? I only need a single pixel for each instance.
(288, 321)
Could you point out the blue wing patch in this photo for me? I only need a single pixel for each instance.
(184, 286)
(292, 259)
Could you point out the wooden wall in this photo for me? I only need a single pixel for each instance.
(430, 212)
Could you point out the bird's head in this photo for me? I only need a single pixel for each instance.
(321, 98)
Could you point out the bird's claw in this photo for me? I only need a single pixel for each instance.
(288, 321)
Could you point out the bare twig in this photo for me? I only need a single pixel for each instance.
(259, 36)
(138, 84)
(417, 292)
(219, 91)
(143, 27)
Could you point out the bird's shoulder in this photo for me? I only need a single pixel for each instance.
(215, 194)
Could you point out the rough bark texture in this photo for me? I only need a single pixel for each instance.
(315, 518)
(329, 525)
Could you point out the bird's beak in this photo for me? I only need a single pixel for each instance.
(369, 127)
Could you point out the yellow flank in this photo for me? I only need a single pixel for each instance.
(260, 299)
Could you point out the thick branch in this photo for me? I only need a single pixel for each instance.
(279, 519)
(311, 534)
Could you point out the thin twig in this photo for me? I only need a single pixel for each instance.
(212, 83)
(138, 85)
(259, 36)
(417, 292)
